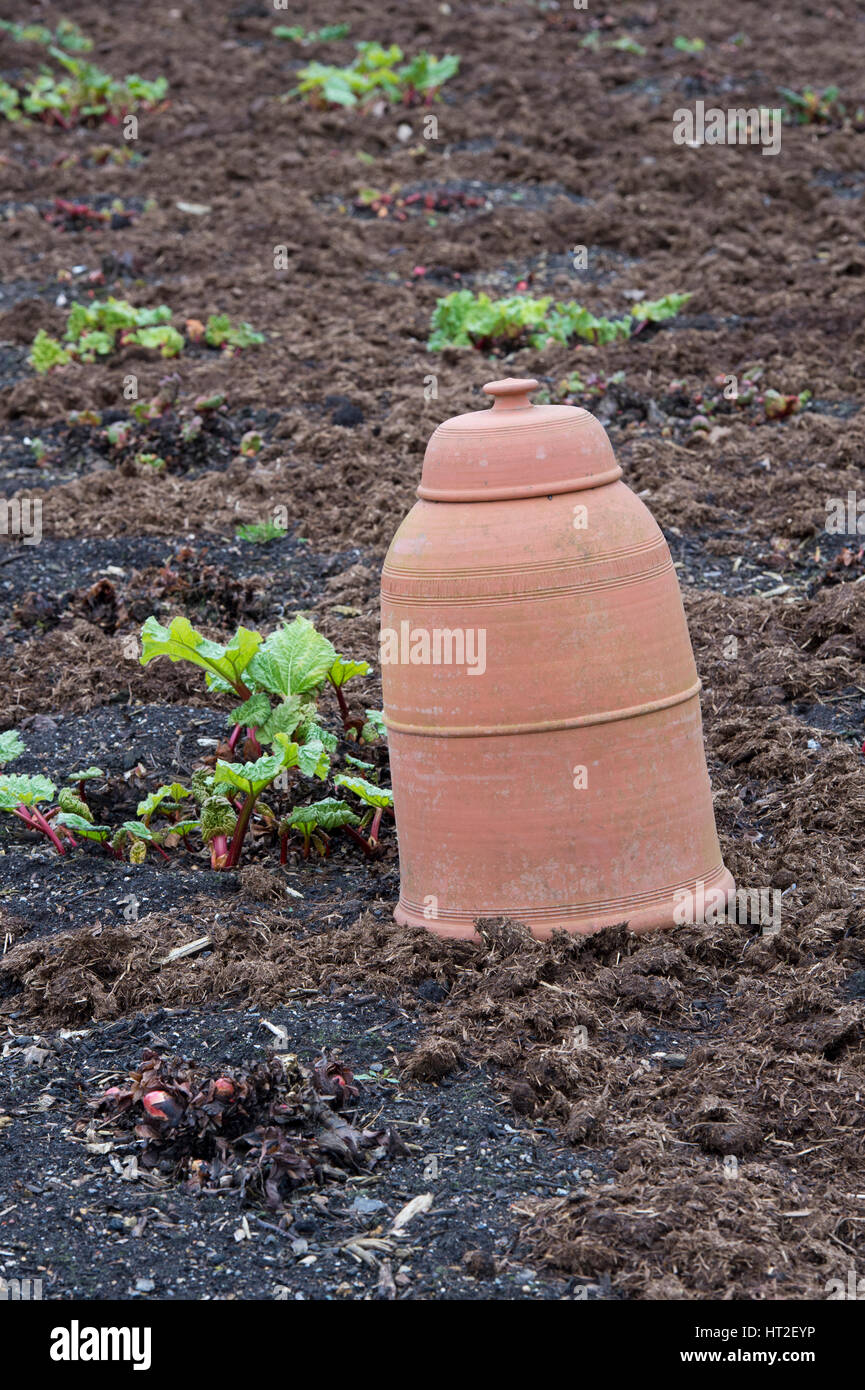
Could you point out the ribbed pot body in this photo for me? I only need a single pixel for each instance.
(543, 717)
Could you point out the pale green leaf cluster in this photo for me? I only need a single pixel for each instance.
(377, 72)
(466, 319)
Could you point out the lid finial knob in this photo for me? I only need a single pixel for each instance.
(512, 393)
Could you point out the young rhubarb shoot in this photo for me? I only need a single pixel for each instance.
(339, 674)
(378, 799)
(314, 823)
(218, 820)
(251, 779)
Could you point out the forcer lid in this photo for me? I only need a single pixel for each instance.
(516, 450)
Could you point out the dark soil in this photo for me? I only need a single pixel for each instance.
(614, 1118)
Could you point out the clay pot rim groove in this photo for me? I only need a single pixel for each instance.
(606, 905)
(477, 432)
(533, 567)
(579, 721)
(618, 581)
(518, 491)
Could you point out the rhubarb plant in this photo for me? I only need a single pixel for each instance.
(80, 93)
(465, 319)
(377, 73)
(276, 680)
(99, 329)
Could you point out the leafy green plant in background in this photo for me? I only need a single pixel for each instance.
(221, 332)
(70, 817)
(465, 319)
(99, 329)
(685, 45)
(377, 73)
(80, 92)
(810, 107)
(296, 33)
(260, 532)
(67, 35)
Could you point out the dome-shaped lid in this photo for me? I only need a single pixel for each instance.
(516, 450)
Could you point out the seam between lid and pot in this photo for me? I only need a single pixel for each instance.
(579, 721)
(519, 490)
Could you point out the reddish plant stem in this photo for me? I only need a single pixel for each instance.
(219, 852)
(235, 735)
(34, 821)
(283, 848)
(358, 838)
(240, 830)
(376, 822)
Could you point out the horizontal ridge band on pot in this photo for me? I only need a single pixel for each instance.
(710, 879)
(580, 721)
(516, 450)
(489, 584)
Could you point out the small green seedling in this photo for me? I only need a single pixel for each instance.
(260, 532)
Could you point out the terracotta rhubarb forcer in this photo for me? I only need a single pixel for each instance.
(540, 691)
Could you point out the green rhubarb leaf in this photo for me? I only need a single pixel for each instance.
(359, 762)
(138, 830)
(294, 660)
(47, 352)
(218, 817)
(90, 774)
(11, 746)
(180, 642)
(168, 796)
(374, 727)
(659, 310)
(371, 795)
(253, 712)
(343, 670)
(283, 720)
(70, 803)
(83, 827)
(250, 778)
(183, 827)
(313, 760)
(167, 339)
(310, 732)
(24, 791)
(328, 814)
